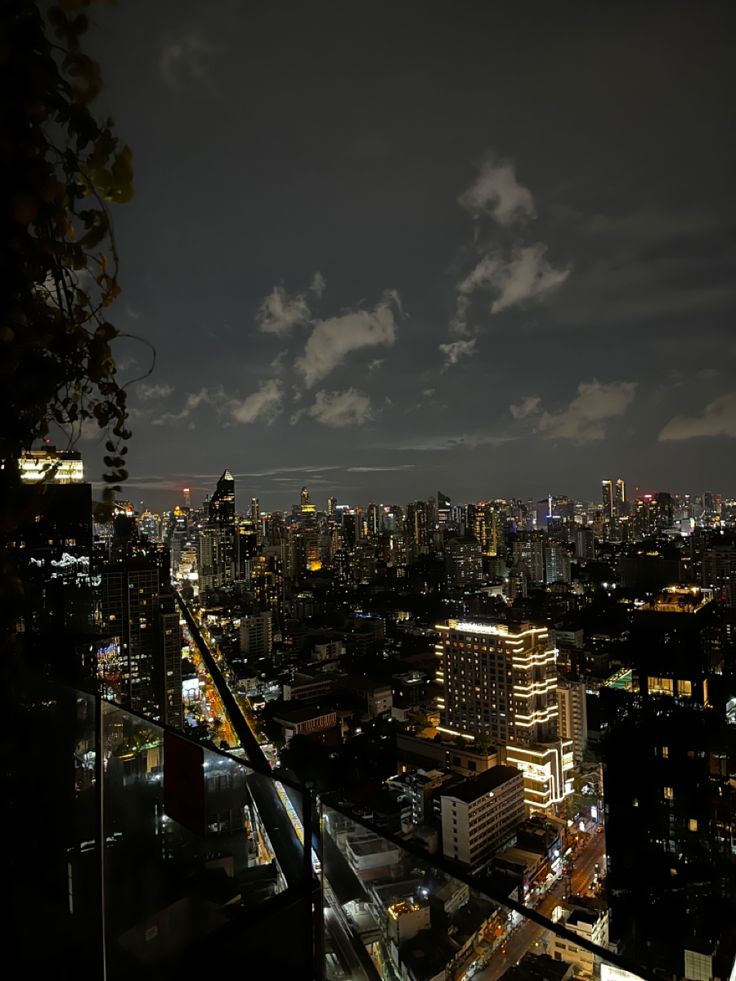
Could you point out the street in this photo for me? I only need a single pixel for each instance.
(528, 935)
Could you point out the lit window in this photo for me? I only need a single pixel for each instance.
(692, 824)
(669, 793)
(635, 802)
(685, 689)
(660, 686)
(665, 752)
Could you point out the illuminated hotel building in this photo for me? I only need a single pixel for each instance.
(499, 682)
(502, 683)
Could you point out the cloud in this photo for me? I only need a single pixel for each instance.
(148, 392)
(527, 407)
(526, 276)
(457, 350)
(403, 466)
(265, 403)
(332, 340)
(193, 401)
(586, 416)
(187, 57)
(497, 193)
(340, 409)
(279, 312)
(468, 441)
(318, 285)
(718, 418)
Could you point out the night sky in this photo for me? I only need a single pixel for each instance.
(394, 247)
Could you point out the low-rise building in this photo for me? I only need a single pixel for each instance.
(306, 687)
(589, 922)
(377, 696)
(371, 856)
(416, 752)
(307, 721)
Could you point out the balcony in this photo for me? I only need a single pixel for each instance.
(141, 854)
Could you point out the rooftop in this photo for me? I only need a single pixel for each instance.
(485, 783)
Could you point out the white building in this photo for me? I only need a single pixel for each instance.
(481, 815)
(592, 924)
(256, 635)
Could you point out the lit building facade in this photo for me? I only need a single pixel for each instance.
(498, 682)
(547, 769)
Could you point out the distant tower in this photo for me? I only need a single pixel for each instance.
(331, 507)
(187, 498)
(222, 503)
(255, 509)
(305, 496)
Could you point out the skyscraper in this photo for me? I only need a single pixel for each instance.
(670, 805)
(52, 550)
(217, 542)
(140, 660)
(499, 682)
(614, 499)
(222, 502)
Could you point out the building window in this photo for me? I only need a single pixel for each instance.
(669, 793)
(665, 752)
(685, 689)
(660, 686)
(692, 824)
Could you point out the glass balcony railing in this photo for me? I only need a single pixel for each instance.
(179, 859)
(391, 911)
(138, 853)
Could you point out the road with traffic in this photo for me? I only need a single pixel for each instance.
(281, 830)
(527, 935)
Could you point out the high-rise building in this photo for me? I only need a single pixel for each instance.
(256, 635)
(583, 540)
(255, 510)
(373, 520)
(527, 550)
(417, 529)
(498, 682)
(668, 754)
(614, 499)
(651, 514)
(482, 522)
(556, 563)
(222, 502)
(464, 561)
(501, 683)
(444, 509)
(572, 716)
(139, 665)
(217, 541)
(52, 551)
(331, 507)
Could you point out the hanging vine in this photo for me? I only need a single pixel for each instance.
(63, 169)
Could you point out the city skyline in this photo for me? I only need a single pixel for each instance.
(423, 258)
(322, 490)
